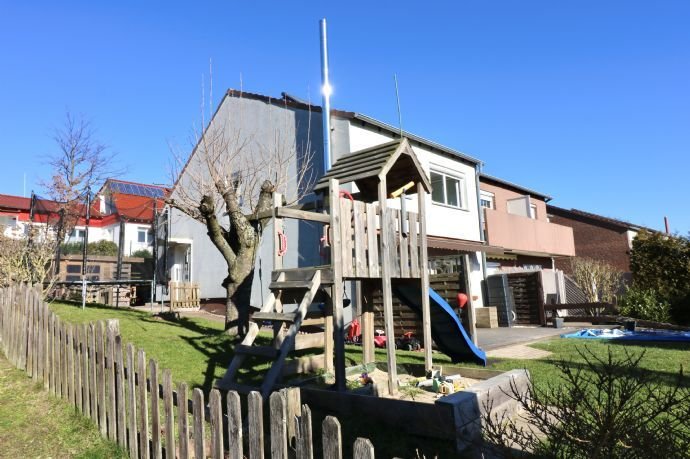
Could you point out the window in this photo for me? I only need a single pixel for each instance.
(486, 199)
(144, 236)
(77, 234)
(447, 190)
(533, 211)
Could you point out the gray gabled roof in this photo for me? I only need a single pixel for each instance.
(520, 188)
(366, 167)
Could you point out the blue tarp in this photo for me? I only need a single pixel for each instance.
(625, 335)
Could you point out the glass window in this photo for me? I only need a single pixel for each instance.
(446, 189)
(141, 236)
(437, 193)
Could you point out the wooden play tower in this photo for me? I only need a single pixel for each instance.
(375, 242)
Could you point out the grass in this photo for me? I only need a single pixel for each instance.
(198, 352)
(36, 424)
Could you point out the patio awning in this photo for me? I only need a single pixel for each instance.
(461, 245)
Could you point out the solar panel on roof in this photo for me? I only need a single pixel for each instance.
(137, 189)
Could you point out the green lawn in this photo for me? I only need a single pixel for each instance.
(36, 424)
(198, 352)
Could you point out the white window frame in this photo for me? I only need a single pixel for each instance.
(147, 235)
(462, 188)
(488, 197)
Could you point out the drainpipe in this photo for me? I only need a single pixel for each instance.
(477, 173)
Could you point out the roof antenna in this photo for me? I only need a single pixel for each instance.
(397, 97)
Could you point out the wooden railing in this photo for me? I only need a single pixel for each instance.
(360, 234)
(134, 403)
(184, 295)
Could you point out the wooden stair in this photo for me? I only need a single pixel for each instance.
(307, 290)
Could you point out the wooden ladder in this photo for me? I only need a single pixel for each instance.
(284, 342)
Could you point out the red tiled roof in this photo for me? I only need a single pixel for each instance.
(8, 202)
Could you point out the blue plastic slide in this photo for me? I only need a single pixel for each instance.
(446, 329)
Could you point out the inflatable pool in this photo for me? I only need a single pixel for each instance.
(624, 335)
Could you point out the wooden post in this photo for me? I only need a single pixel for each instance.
(278, 327)
(183, 428)
(424, 274)
(328, 334)
(234, 426)
(368, 347)
(332, 441)
(338, 286)
(278, 418)
(198, 418)
(386, 269)
(471, 313)
(216, 414)
(255, 420)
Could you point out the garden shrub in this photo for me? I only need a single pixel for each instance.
(142, 253)
(644, 304)
(606, 406)
(103, 248)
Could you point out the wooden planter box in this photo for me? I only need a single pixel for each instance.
(486, 317)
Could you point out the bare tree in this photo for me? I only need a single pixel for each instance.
(598, 280)
(28, 259)
(228, 184)
(79, 163)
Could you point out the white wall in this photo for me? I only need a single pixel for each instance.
(441, 220)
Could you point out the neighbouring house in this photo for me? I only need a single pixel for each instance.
(453, 222)
(597, 237)
(515, 219)
(118, 204)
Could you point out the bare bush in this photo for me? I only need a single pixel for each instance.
(598, 280)
(28, 259)
(603, 407)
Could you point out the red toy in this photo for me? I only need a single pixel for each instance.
(462, 300)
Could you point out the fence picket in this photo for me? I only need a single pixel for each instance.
(131, 404)
(278, 416)
(169, 416)
(155, 411)
(332, 441)
(85, 381)
(304, 439)
(142, 409)
(234, 426)
(100, 377)
(198, 416)
(120, 404)
(183, 420)
(255, 424)
(93, 399)
(216, 413)
(363, 449)
(111, 398)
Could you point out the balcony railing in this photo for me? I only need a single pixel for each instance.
(522, 234)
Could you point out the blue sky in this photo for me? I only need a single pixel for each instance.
(587, 101)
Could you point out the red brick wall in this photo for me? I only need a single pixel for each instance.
(599, 242)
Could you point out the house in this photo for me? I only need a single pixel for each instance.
(453, 222)
(597, 237)
(516, 219)
(118, 204)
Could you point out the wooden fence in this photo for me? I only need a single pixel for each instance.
(184, 295)
(133, 402)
